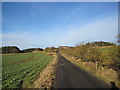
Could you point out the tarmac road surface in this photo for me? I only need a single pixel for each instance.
(69, 75)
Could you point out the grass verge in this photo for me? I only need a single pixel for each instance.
(46, 76)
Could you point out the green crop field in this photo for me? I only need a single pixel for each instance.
(21, 70)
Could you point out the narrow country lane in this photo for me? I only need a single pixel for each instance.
(69, 75)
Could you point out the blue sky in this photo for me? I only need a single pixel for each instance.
(32, 24)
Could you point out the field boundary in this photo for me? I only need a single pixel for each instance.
(46, 76)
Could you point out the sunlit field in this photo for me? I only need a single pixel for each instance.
(20, 70)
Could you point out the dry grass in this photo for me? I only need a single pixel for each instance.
(46, 77)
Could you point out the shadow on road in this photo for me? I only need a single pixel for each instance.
(113, 86)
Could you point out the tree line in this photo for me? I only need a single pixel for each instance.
(15, 49)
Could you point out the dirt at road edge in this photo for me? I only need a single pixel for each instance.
(46, 77)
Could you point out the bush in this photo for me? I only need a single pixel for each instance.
(108, 56)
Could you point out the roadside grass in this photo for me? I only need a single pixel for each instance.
(46, 77)
(21, 70)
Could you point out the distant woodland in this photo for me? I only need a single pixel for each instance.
(15, 49)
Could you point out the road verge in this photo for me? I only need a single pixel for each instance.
(47, 75)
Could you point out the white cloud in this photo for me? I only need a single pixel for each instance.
(104, 29)
(22, 40)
